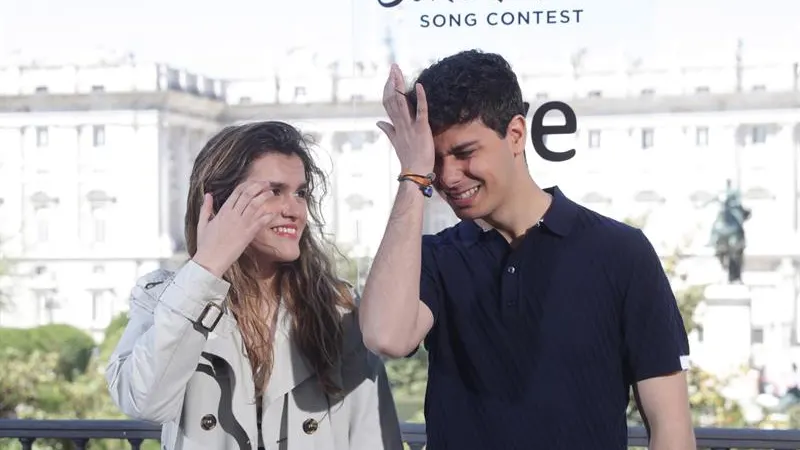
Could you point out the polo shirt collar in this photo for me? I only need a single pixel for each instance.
(558, 219)
(560, 216)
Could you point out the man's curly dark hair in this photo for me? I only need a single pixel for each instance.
(467, 86)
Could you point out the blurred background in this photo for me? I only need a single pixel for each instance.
(688, 126)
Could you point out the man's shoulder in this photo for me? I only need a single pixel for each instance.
(617, 241)
(603, 227)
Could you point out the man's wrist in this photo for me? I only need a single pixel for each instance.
(424, 187)
(411, 190)
(422, 170)
(423, 181)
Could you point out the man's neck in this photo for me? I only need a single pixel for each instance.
(523, 208)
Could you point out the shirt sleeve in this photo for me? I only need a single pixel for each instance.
(429, 285)
(430, 289)
(655, 338)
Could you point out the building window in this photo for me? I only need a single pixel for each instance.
(701, 137)
(42, 137)
(299, 92)
(542, 96)
(594, 138)
(43, 209)
(99, 135)
(758, 134)
(647, 138)
(102, 311)
(98, 202)
(98, 226)
(173, 80)
(757, 336)
(595, 94)
(45, 306)
(41, 89)
(98, 88)
(42, 225)
(648, 92)
(702, 90)
(759, 88)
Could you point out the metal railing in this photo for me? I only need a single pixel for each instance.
(80, 432)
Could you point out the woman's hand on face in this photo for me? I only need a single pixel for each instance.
(223, 237)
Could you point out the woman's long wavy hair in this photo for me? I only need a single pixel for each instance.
(308, 286)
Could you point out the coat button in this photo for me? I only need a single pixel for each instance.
(310, 426)
(208, 422)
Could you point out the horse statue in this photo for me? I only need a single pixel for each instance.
(727, 233)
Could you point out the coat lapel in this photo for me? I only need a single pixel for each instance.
(231, 368)
(290, 367)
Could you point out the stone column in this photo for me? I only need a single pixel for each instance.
(727, 324)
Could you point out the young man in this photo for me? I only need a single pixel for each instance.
(538, 314)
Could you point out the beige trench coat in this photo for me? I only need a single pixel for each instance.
(172, 366)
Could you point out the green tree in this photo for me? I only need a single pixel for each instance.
(73, 346)
(25, 378)
(408, 378)
(34, 385)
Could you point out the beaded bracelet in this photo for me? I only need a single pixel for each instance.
(425, 182)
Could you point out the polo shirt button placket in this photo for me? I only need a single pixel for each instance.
(511, 270)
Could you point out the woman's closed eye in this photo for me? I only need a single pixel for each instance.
(302, 193)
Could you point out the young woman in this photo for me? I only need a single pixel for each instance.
(254, 342)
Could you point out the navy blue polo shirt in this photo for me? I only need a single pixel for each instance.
(538, 346)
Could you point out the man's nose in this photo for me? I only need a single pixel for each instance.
(449, 175)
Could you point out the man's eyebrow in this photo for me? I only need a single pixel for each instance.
(461, 147)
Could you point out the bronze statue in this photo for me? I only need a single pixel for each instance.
(727, 233)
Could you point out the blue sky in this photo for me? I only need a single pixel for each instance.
(246, 37)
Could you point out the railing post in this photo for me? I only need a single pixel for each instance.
(27, 443)
(136, 444)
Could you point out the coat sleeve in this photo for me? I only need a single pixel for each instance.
(374, 424)
(160, 348)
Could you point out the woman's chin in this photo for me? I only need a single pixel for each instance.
(275, 254)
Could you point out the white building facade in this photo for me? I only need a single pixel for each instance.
(94, 165)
